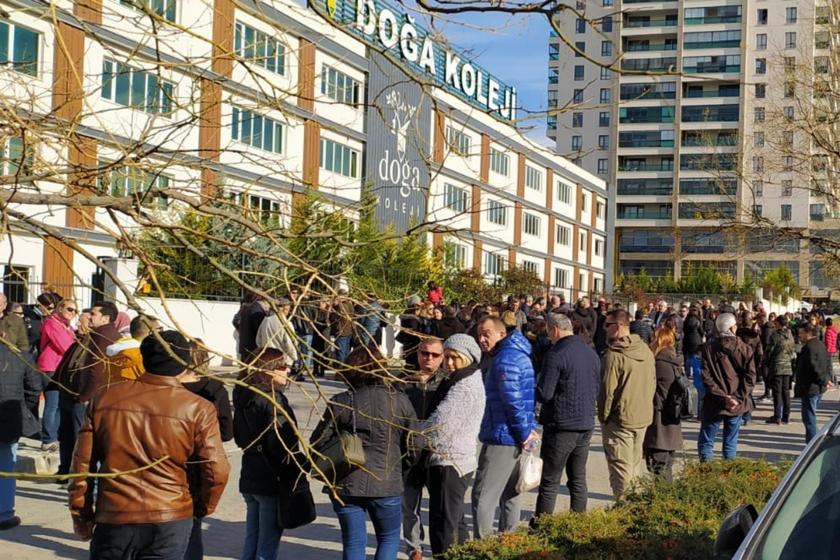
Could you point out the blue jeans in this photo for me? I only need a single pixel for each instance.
(195, 546)
(72, 416)
(8, 460)
(385, 513)
(305, 351)
(809, 416)
(343, 343)
(262, 536)
(50, 420)
(708, 433)
(692, 368)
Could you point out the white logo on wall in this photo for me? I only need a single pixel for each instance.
(398, 171)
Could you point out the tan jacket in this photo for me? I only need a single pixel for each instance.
(628, 384)
(132, 424)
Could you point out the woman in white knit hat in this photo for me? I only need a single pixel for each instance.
(452, 428)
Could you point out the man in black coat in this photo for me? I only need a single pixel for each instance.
(813, 376)
(568, 390)
(642, 326)
(19, 389)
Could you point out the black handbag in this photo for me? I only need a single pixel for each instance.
(339, 453)
(296, 508)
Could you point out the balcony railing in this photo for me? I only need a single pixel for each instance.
(647, 64)
(712, 19)
(645, 190)
(652, 143)
(712, 69)
(712, 44)
(644, 215)
(709, 189)
(628, 248)
(710, 141)
(653, 22)
(709, 249)
(689, 93)
(648, 47)
(641, 166)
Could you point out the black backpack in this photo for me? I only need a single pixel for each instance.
(681, 401)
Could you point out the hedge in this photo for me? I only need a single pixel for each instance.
(656, 519)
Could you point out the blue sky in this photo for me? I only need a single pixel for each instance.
(514, 48)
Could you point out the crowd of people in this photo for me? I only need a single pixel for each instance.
(139, 421)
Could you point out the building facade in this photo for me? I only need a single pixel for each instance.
(706, 128)
(264, 101)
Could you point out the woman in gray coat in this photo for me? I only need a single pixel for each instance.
(664, 436)
(452, 430)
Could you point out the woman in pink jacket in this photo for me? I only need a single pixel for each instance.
(56, 337)
(830, 339)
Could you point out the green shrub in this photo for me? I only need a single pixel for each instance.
(655, 520)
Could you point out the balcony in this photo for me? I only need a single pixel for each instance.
(706, 186)
(646, 46)
(646, 1)
(707, 139)
(710, 113)
(643, 115)
(648, 143)
(706, 211)
(641, 22)
(666, 90)
(712, 69)
(692, 92)
(644, 213)
(712, 19)
(645, 187)
(708, 162)
(666, 64)
(712, 44)
(634, 164)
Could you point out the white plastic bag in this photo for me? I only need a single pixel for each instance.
(530, 470)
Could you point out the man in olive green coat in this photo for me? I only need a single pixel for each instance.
(12, 327)
(625, 403)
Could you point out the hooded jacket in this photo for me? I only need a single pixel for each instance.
(728, 370)
(124, 360)
(628, 384)
(509, 387)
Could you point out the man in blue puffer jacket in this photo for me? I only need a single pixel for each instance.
(508, 426)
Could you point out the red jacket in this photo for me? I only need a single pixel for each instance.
(56, 337)
(831, 339)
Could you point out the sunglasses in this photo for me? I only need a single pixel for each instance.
(426, 354)
(70, 309)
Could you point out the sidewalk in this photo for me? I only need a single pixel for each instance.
(46, 531)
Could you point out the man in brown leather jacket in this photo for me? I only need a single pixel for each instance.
(149, 428)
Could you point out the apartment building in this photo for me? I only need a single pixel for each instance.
(264, 101)
(704, 131)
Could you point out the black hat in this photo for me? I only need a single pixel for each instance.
(158, 357)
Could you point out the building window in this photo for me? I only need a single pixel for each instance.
(581, 241)
(761, 41)
(597, 285)
(599, 248)
(553, 51)
(258, 47)
(257, 131)
(561, 278)
(603, 142)
(454, 255)
(580, 25)
(787, 163)
(496, 212)
(577, 96)
(553, 75)
(533, 178)
(163, 8)
(761, 17)
(606, 4)
(577, 120)
(13, 160)
(600, 209)
(607, 21)
(758, 188)
(758, 210)
(822, 40)
(339, 158)
(758, 139)
(564, 192)
(790, 89)
(493, 264)
(787, 187)
(821, 64)
(580, 48)
(606, 73)
(605, 95)
(758, 164)
(789, 112)
(531, 224)
(338, 86)
(142, 184)
(603, 166)
(563, 235)
(790, 39)
(531, 266)
(579, 74)
(23, 45)
(499, 162)
(760, 65)
(788, 138)
(459, 142)
(606, 48)
(577, 143)
(143, 91)
(604, 119)
(456, 198)
(760, 91)
(790, 15)
(584, 203)
(787, 212)
(759, 114)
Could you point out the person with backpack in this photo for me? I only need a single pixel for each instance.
(664, 436)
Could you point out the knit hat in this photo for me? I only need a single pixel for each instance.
(414, 300)
(157, 357)
(464, 344)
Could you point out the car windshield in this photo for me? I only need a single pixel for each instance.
(808, 523)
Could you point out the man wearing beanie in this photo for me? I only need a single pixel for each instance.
(151, 427)
(728, 372)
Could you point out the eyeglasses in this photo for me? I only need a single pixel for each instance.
(610, 323)
(70, 309)
(426, 354)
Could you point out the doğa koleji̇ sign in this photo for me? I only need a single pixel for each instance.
(384, 26)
